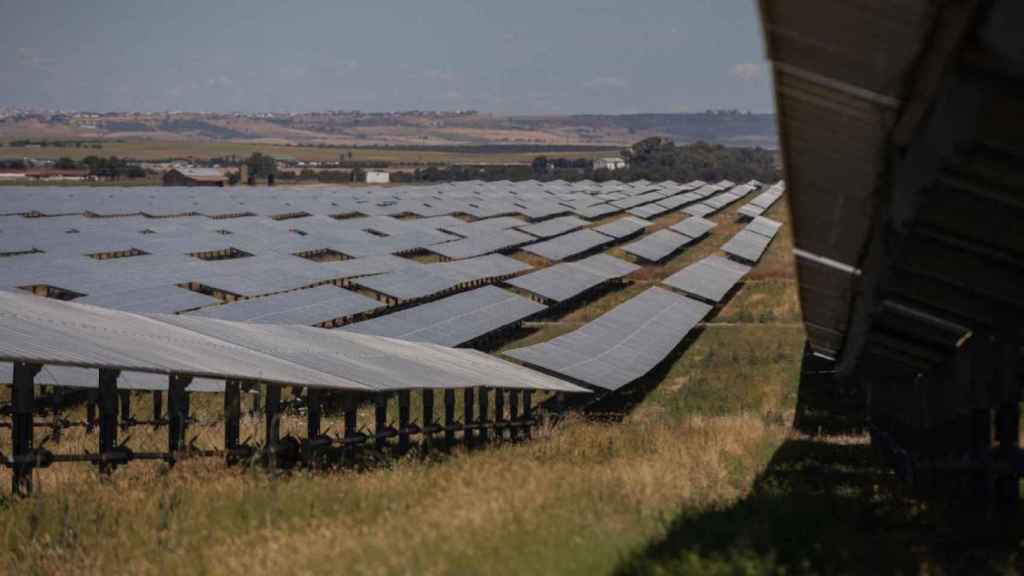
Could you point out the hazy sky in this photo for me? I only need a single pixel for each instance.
(503, 56)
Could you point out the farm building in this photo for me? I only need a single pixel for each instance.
(609, 164)
(377, 177)
(181, 176)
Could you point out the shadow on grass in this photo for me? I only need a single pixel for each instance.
(826, 503)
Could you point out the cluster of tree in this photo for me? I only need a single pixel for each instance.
(112, 168)
(462, 173)
(13, 164)
(56, 144)
(261, 165)
(659, 159)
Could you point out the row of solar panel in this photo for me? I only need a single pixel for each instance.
(86, 338)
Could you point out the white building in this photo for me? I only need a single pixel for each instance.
(377, 177)
(609, 163)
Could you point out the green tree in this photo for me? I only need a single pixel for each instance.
(65, 163)
(261, 165)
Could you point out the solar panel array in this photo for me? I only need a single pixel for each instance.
(763, 201)
(658, 246)
(275, 257)
(622, 345)
(428, 280)
(567, 280)
(304, 307)
(710, 278)
(624, 227)
(694, 227)
(570, 245)
(455, 320)
(55, 333)
(750, 243)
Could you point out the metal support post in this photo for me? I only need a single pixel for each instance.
(177, 413)
(427, 419)
(21, 426)
(158, 405)
(403, 421)
(500, 422)
(272, 429)
(467, 416)
(313, 413)
(108, 417)
(232, 418)
(351, 416)
(380, 420)
(513, 414)
(527, 413)
(483, 416)
(449, 417)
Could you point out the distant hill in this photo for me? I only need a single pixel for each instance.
(399, 128)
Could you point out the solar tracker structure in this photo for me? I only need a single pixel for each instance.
(568, 280)
(750, 243)
(710, 278)
(570, 245)
(622, 345)
(623, 228)
(335, 255)
(455, 320)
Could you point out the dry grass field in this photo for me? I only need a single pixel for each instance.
(703, 474)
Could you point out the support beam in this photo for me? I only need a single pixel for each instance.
(427, 419)
(313, 413)
(232, 419)
(22, 403)
(449, 417)
(515, 432)
(403, 421)
(177, 413)
(272, 426)
(499, 414)
(158, 405)
(108, 397)
(380, 420)
(467, 417)
(351, 416)
(528, 413)
(482, 417)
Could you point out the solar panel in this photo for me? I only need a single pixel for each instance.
(700, 209)
(452, 321)
(764, 226)
(51, 332)
(433, 279)
(568, 280)
(623, 227)
(158, 299)
(710, 278)
(303, 307)
(597, 211)
(554, 226)
(75, 377)
(694, 227)
(751, 211)
(747, 245)
(488, 243)
(622, 345)
(658, 246)
(569, 245)
(648, 210)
